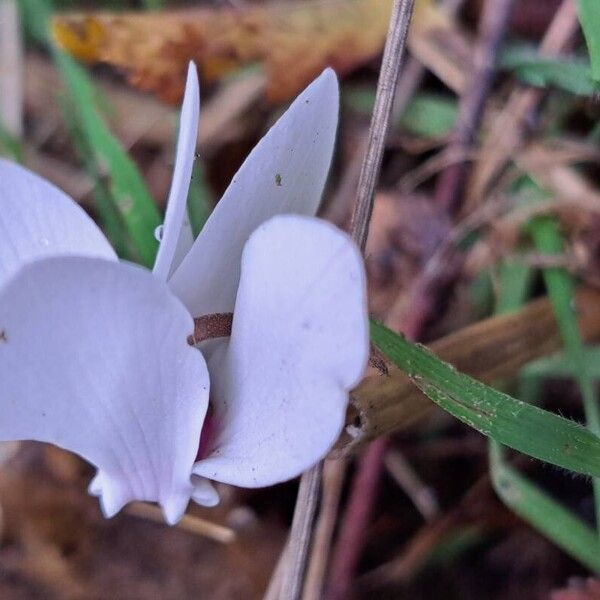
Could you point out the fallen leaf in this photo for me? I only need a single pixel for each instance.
(294, 42)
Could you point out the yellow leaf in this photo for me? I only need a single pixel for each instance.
(293, 42)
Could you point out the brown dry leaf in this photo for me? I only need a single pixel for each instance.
(294, 42)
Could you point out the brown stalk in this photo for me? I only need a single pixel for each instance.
(333, 479)
(409, 81)
(190, 523)
(388, 80)
(301, 532)
(363, 493)
(494, 22)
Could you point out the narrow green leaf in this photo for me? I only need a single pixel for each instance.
(429, 115)
(10, 146)
(426, 115)
(544, 513)
(153, 4)
(112, 164)
(110, 219)
(571, 75)
(522, 496)
(127, 187)
(564, 365)
(526, 428)
(589, 17)
(561, 288)
(516, 280)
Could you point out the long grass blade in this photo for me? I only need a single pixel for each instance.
(529, 429)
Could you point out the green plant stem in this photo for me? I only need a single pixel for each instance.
(560, 285)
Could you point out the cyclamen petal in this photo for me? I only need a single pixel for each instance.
(285, 173)
(177, 238)
(299, 343)
(94, 359)
(94, 355)
(39, 220)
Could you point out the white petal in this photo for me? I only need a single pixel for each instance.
(177, 235)
(37, 220)
(285, 173)
(204, 492)
(94, 358)
(299, 343)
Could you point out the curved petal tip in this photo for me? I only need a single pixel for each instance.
(174, 506)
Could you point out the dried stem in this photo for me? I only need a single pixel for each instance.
(301, 532)
(494, 22)
(363, 493)
(333, 479)
(274, 588)
(189, 523)
(388, 79)
(409, 81)
(421, 495)
(392, 59)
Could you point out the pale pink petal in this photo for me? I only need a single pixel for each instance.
(176, 234)
(38, 220)
(285, 173)
(299, 343)
(94, 359)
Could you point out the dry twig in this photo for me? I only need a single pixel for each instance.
(507, 132)
(388, 79)
(190, 523)
(494, 22)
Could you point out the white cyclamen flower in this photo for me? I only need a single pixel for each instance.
(94, 354)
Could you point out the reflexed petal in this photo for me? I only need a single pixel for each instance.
(285, 173)
(37, 220)
(299, 343)
(177, 236)
(94, 358)
(204, 492)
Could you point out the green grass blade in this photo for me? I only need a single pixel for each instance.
(529, 429)
(569, 74)
(560, 285)
(127, 187)
(153, 4)
(522, 496)
(589, 17)
(10, 146)
(426, 115)
(112, 164)
(563, 365)
(110, 219)
(544, 513)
